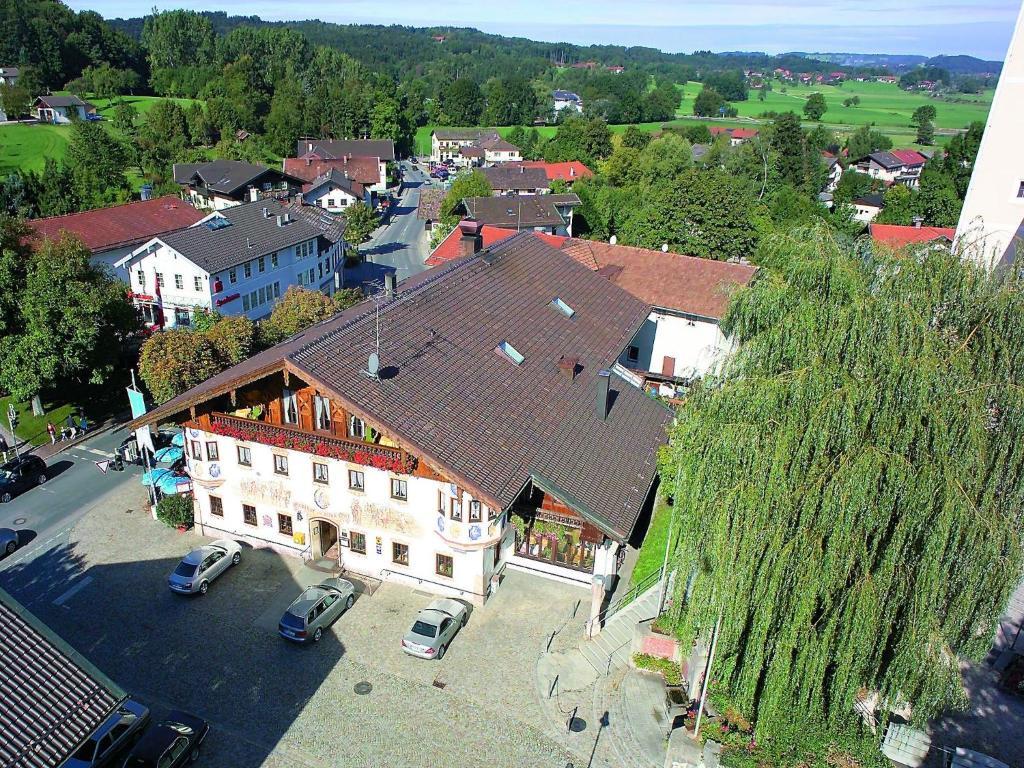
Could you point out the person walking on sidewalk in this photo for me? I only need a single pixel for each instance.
(52, 432)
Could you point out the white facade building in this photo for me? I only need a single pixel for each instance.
(567, 100)
(991, 219)
(333, 192)
(239, 262)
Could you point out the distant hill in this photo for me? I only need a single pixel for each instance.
(957, 65)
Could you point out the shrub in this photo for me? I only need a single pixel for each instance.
(175, 510)
(665, 667)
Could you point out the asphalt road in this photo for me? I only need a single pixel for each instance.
(76, 485)
(402, 244)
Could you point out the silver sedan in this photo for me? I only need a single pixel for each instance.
(434, 628)
(201, 566)
(8, 541)
(316, 609)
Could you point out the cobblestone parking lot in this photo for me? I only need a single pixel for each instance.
(103, 588)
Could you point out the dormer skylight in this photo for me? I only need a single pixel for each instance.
(507, 350)
(217, 222)
(562, 307)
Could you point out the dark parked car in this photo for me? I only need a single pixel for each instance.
(20, 474)
(114, 737)
(170, 743)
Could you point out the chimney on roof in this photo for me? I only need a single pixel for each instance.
(918, 221)
(522, 169)
(280, 220)
(266, 212)
(309, 161)
(254, 194)
(603, 379)
(567, 366)
(470, 240)
(309, 146)
(389, 284)
(572, 170)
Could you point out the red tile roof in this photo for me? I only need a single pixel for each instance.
(736, 133)
(104, 229)
(908, 156)
(568, 172)
(669, 280)
(448, 249)
(365, 170)
(897, 236)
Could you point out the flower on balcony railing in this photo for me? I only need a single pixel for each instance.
(259, 432)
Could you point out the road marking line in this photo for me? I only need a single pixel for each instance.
(73, 591)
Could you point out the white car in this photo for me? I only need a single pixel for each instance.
(201, 566)
(435, 627)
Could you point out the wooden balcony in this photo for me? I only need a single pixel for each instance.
(292, 438)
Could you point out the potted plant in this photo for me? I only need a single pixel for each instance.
(175, 511)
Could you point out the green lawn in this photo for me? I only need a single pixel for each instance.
(885, 105)
(652, 551)
(33, 428)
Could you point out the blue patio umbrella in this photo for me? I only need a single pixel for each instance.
(153, 476)
(168, 455)
(170, 484)
(178, 439)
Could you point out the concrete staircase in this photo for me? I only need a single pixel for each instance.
(609, 649)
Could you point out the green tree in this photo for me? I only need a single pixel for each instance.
(347, 297)
(73, 319)
(585, 139)
(175, 360)
(662, 102)
(284, 123)
(125, 116)
(57, 193)
(15, 100)
(849, 487)
(925, 133)
(510, 101)
(815, 106)
(663, 160)
(796, 161)
(175, 39)
(233, 338)
(200, 129)
(634, 138)
(865, 140)
(923, 114)
(97, 161)
(699, 213)
(462, 103)
(298, 309)
(900, 207)
(361, 221)
(473, 184)
(708, 103)
(385, 119)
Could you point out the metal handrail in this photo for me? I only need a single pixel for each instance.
(642, 586)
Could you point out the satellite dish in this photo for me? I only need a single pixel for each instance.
(613, 240)
(664, 247)
(373, 365)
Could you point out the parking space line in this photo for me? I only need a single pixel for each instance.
(73, 591)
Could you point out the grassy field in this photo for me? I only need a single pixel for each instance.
(25, 147)
(652, 551)
(33, 428)
(885, 105)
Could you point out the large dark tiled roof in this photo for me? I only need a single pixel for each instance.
(515, 211)
(518, 177)
(251, 234)
(51, 698)
(226, 176)
(481, 418)
(331, 149)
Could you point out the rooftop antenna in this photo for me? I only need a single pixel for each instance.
(379, 297)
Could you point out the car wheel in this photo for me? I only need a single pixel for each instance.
(349, 602)
(42, 478)
(440, 652)
(194, 756)
(465, 619)
(204, 587)
(5, 498)
(236, 558)
(317, 634)
(11, 546)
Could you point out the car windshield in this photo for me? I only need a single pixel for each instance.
(185, 569)
(292, 621)
(424, 629)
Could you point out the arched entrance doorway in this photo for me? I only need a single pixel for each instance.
(324, 539)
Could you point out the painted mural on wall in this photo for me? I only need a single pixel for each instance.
(268, 491)
(368, 515)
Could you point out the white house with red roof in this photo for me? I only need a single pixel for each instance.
(897, 166)
(736, 135)
(112, 233)
(569, 172)
(899, 236)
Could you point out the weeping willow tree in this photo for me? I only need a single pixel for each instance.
(850, 486)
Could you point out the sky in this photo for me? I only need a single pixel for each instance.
(979, 28)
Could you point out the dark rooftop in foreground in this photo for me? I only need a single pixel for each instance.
(482, 419)
(515, 211)
(51, 698)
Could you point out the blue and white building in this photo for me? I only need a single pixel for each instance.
(237, 261)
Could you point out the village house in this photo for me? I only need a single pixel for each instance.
(898, 236)
(238, 261)
(381, 150)
(681, 340)
(9, 75)
(472, 148)
(566, 100)
(616, 69)
(61, 110)
(736, 135)
(541, 213)
(334, 192)
(113, 233)
(569, 172)
(346, 443)
(516, 180)
(446, 143)
(835, 171)
(221, 184)
(897, 166)
(866, 208)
